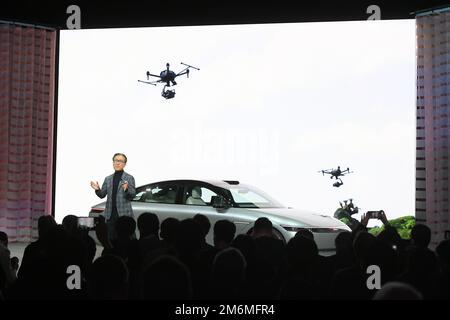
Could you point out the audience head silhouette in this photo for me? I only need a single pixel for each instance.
(204, 223)
(303, 232)
(421, 235)
(166, 278)
(108, 278)
(125, 228)
(45, 223)
(262, 227)
(169, 230)
(148, 224)
(397, 291)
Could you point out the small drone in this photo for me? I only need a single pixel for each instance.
(168, 76)
(349, 207)
(345, 212)
(336, 173)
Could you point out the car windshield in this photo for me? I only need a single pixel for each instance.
(250, 197)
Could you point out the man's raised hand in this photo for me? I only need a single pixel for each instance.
(95, 185)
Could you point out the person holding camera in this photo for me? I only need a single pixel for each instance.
(120, 189)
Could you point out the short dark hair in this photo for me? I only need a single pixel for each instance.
(421, 235)
(120, 154)
(224, 230)
(204, 223)
(303, 232)
(4, 237)
(125, 227)
(263, 224)
(45, 223)
(148, 223)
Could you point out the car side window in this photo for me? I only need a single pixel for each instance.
(166, 193)
(198, 195)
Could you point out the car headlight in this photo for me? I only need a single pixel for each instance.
(295, 229)
(314, 230)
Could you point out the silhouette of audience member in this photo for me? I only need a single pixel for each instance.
(71, 225)
(301, 280)
(188, 239)
(350, 283)
(420, 262)
(188, 244)
(259, 273)
(108, 279)
(36, 250)
(228, 274)
(246, 245)
(391, 237)
(268, 247)
(323, 265)
(420, 236)
(148, 225)
(303, 232)
(224, 232)
(204, 223)
(442, 278)
(46, 276)
(421, 267)
(397, 291)
(126, 246)
(166, 278)
(7, 272)
(271, 253)
(15, 265)
(384, 256)
(62, 251)
(169, 230)
(344, 257)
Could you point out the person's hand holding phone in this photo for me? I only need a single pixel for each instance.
(383, 218)
(365, 219)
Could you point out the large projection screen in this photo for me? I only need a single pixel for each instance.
(271, 106)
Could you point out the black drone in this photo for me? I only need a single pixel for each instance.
(168, 77)
(336, 173)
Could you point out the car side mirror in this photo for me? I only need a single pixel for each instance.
(219, 202)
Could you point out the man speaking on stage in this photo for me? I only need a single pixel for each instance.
(120, 188)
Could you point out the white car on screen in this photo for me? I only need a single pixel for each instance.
(240, 203)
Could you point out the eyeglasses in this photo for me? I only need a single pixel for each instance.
(119, 161)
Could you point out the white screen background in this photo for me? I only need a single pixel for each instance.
(271, 106)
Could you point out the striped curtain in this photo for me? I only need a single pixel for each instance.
(27, 80)
(433, 122)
